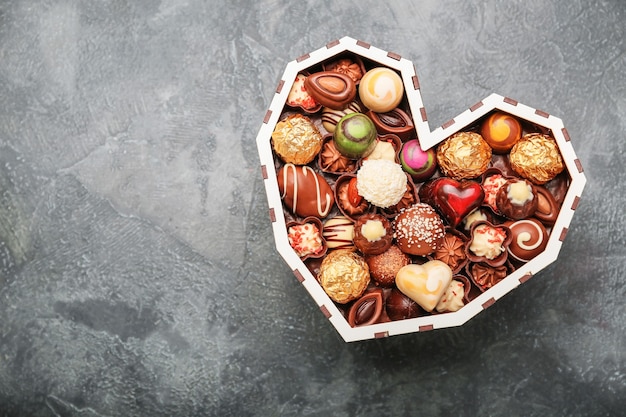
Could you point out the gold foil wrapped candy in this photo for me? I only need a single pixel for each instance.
(464, 155)
(344, 275)
(296, 140)
(536, 157)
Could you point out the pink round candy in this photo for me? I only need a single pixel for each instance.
(420, 164)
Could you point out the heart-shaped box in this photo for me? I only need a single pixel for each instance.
(567, 190)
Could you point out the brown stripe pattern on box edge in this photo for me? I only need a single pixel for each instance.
(268, 114)
(489, 303)
(426, 327)
(542, 113)
(447, 124)
(563, 234)
(264, 171)
(272, 215)
(423, 114)
(416, 82)
(380, 335)
(476, 106)
(565, 134)
(325, 311)
(393, 55)
(510, 101)
(332, 43)
(363, 44)
(303, 57)
(578, 165)
(298, 275)
(575, 202)
(279, 87)
(525, 277)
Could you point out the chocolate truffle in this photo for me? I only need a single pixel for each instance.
(384, 267)
(400, 307)
(339, 233)
(536, 157)
(421, 165)
(529, 239)
(296, 139)
(463, 155)
(418, 230)
(372, 234)
(344, 275)
(381, 89)
(304, 191)
(381, 182)
(517, 199)
(355, 135)
(501, 131)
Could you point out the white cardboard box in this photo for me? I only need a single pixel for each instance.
(427, 140)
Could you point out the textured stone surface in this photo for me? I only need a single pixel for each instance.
(138, 274)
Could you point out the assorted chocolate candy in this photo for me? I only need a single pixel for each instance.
(391, 231)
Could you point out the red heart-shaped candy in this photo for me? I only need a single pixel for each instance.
(451, 198)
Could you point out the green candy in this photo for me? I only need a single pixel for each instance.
(355, 135)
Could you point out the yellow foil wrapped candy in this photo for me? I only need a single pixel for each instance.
(536, 157)
(464, 155)
(344, 275)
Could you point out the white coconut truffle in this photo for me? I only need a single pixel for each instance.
(381, 182)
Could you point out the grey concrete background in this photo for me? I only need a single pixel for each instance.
(138, 274)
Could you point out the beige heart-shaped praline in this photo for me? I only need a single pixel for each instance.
(425, 284)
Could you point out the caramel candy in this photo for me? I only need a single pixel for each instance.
(344, 275)
(296, 139)
(536, 157)
(464, 155)
(501, 131)
(331, 89)
(304, 191)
